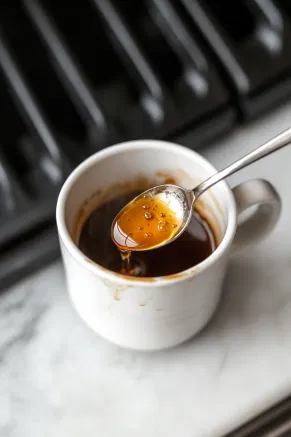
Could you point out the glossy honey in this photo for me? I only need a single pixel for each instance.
(144, 224)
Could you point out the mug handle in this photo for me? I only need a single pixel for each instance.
(264, 197)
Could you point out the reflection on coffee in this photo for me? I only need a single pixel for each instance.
(191, 248)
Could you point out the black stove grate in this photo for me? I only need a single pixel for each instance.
(77, 77)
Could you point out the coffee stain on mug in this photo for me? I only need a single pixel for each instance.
(115, 289)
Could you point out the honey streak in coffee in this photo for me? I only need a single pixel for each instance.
(195, 244)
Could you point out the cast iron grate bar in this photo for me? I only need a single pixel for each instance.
(30, 208)
(33, 112)
(71, 75)
(239, 33)
(195, 67)
(270, 25)
(214, 38)
(12, 197)
(152, 93)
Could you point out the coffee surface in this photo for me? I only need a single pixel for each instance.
(191, 248)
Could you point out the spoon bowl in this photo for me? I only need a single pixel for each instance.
(169, 206)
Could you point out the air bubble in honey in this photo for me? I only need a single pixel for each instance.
(148, 215)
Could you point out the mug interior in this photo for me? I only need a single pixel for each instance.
(140, 165)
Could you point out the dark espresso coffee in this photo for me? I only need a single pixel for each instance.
(191, 248)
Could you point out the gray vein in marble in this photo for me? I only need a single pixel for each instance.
(24, 335)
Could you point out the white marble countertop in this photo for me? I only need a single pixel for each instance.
(57, 378)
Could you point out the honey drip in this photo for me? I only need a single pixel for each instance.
(130, 267)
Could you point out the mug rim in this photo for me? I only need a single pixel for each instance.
(109, 275)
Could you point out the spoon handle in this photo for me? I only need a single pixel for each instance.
(271, 146)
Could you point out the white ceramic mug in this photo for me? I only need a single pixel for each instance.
(156, 313)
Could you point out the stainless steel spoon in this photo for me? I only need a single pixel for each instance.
(182, 200)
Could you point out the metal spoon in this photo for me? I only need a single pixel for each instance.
(182, 200)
